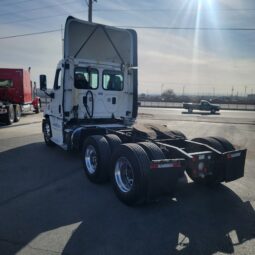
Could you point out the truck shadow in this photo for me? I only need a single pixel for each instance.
(20, 123)
(200, 113)
(47, 203)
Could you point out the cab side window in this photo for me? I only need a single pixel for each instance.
(58, 78)
(85, 78)
(4, 83)
(113, 80)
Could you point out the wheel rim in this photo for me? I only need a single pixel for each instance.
(91, 159)
(47, 131)
(124, 174)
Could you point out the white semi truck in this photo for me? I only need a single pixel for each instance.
(93, 110)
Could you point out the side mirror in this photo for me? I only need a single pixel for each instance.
(43, 82)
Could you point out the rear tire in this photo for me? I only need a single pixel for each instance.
(130, 163)
(96, 155)
(179, 134)
(9, 117)
(17, 113)
(114, 141)
(211, 142)
(152, 150)
(225, 143)
(209, 180)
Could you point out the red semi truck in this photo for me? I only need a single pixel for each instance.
(16, 95)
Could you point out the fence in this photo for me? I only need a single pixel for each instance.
(244, 107)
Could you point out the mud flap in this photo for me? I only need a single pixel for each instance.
(163, 176)
(234, 164)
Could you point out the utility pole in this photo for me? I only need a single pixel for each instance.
(90, 5)
(162, 86)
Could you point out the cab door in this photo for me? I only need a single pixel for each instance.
(113, 99)
(56, 117)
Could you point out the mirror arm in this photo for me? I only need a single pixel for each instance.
(48, 94)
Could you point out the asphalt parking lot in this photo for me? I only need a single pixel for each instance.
(47, 206)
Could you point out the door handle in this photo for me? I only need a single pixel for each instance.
(113, 100)
(59, 108)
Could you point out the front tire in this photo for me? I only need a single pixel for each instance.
(38, 108)
(47, 134)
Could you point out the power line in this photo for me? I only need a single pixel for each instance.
(135, 10)
(191, 28)
(13, 3)
(30, 34)
(37, 8)
(37, 18)
(174, 10)
(141, 27)
(96, 10)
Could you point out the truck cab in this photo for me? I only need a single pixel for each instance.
(207, 106)
(96, 82)
(17, 94)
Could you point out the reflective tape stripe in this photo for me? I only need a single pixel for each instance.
(165, 165)
(233, 155)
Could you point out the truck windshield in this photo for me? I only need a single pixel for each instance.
(6, 83)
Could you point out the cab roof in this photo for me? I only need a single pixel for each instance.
(101, 43)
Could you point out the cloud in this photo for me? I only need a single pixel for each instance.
(40, 52)
(175, 62)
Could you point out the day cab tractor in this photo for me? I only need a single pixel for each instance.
(16, 95)
(93, 110)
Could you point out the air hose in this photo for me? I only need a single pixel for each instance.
(90, 110)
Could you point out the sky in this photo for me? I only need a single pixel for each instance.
(191, 46)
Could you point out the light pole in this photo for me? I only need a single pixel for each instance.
(162, 86)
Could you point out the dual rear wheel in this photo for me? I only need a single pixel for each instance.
(13, 114)
(220, 144)
(127, 165)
